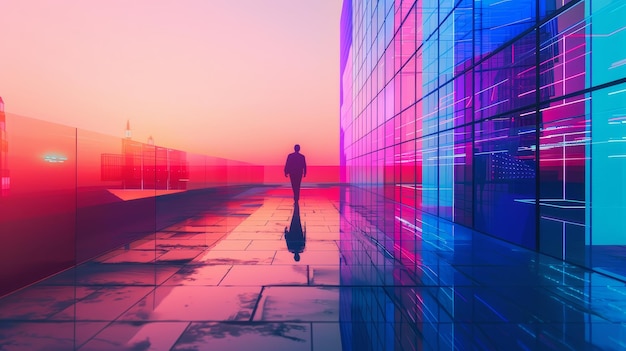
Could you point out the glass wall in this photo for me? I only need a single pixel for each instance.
(497, 115)
(69, 195)
(38, 202)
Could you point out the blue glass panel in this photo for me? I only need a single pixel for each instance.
(564, 138)
(506, 80)
(446, 174)
(463, 190)
(607, 36)
(498, 21)
(504, 178)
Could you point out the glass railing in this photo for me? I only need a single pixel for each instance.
(69, 195)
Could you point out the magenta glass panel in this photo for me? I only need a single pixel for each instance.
(389, 99)
(101, 161)
(419, 169)
(407, 38)
(397, 173)
(407, 79)
(407, 127)
(216, 173)
(239, 173)
(389, 181)
(196, 172)
(402, 9)
(115, 193)
(38, 202)
(407, 173)
(419, 119)
(389, 63)
(397, 88)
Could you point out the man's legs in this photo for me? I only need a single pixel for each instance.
(295, 185)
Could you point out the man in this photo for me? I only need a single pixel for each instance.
(295, 167)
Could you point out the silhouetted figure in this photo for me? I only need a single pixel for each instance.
(295, 236)
(295, 167)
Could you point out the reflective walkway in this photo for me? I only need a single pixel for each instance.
(229, 279)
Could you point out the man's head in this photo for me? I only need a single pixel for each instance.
(296, 147)
(296, 257)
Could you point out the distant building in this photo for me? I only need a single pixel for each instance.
(145, 165)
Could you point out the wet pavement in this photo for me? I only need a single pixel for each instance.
(228, 279)
(222, 280)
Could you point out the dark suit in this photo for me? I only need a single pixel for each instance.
(295, 167)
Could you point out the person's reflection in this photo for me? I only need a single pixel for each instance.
(295, 236)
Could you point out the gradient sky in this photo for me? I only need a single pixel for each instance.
(241, 79)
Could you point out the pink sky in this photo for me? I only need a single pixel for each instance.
(241, 79)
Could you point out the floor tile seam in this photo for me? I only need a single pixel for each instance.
(247, 246)
(225, 274)
(135, 303)
(181, 334)
(76, 300)
(102, 263)
(174, 232)
(257, 304)
(110, 322)
(273, 257)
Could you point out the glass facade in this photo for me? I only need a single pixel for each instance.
(508, 117)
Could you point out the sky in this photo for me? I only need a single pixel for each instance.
(239, 79)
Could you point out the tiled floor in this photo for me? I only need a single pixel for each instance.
(232, 284)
